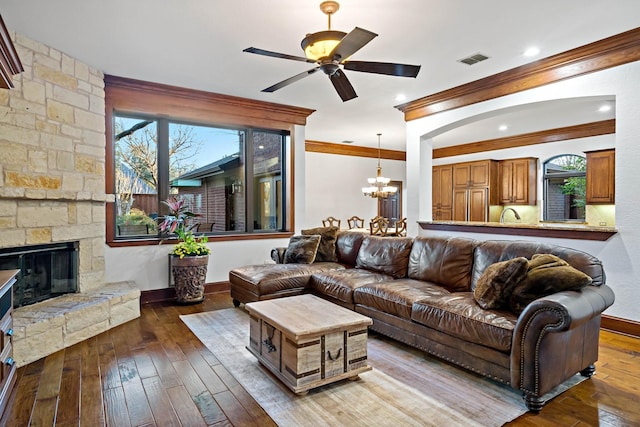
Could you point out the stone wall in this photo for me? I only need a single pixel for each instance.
(52, 189)
(52, 156)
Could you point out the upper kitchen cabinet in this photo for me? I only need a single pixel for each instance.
(9, 62)
(601, 185)
(475, 174)
(475, 187)
(518, 178)
(442, 192)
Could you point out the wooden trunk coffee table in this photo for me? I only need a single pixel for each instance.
(307, 342)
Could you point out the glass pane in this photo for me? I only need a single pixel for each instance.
(565, 188)
(136, 174)
(206, 167)
(267, 175)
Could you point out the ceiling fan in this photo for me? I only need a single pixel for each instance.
(329, 50)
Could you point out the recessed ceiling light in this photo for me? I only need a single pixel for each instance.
(400, 97)
(532, 51)
(604, 108)
(502, 128)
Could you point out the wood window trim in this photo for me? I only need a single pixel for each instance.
(597, 56)
(129, 96)
(9, 61)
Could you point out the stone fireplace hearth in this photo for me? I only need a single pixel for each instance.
(52, 190)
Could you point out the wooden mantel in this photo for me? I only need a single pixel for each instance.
(9, 62)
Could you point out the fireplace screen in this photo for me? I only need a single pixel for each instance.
(46, 271)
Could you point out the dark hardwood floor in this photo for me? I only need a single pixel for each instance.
(154, 371)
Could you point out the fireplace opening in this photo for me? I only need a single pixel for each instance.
(46, 271)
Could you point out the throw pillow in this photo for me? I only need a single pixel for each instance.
(301, 249)
(327, 248)
(546, 279)
(545, 260)
(496, 283)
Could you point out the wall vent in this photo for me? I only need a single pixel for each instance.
(473, 59)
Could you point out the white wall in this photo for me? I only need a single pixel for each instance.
(621, 253)
(334, 186)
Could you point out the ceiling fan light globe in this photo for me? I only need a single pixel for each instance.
(319, 45)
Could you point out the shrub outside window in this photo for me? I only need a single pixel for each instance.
(565, 188)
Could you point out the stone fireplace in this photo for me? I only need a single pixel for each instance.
(52, 192)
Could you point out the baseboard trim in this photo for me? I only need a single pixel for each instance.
(623, 326)
(168, 294)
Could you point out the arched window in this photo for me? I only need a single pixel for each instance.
(564, 188)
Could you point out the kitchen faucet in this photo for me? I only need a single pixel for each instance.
(505, 211)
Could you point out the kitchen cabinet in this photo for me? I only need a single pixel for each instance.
(518, 181)
(601, 185)
(475, 187)
(7, 365)
(475, 174)
(442, 193)
(471, 204)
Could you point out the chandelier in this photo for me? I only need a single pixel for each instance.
(379, 186)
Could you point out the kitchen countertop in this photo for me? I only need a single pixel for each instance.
(543, 229)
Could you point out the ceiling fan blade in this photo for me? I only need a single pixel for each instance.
(290, 80)
(351, 43)
(388, 68)
(342, 85)
(276, 54)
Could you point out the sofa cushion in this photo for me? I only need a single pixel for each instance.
(457, 314)
(446, 261)
(546, 278)
(340, 284)
(327, 248)
(389, 255)
(267, 279)
(347, 246)
(496, 284)
(396, 297)
(302, 249)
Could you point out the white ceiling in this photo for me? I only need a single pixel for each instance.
(198, 44)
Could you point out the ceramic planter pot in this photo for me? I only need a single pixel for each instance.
(189, 275)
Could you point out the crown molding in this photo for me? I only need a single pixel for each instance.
(540, 137)
(600, 55)
(353, 150)
(9, 61)
(135, 95)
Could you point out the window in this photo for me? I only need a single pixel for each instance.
(565, 188)
(205, 165)
(229, 156)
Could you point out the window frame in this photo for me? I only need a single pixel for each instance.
(136, 98)
(545, 186)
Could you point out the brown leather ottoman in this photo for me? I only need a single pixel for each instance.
(267, 281)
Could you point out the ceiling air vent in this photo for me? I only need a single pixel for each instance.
(473, 59)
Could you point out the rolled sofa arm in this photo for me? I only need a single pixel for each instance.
(277, 254)
(557, 336)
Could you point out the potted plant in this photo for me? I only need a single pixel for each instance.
(189, 257)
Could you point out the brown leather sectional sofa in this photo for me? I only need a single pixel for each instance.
(420, 291)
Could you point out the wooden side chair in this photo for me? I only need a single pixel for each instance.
(355, 222)
(400, 229)
(379, 226)
(331, 222)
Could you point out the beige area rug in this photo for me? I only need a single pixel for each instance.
(405, 388)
